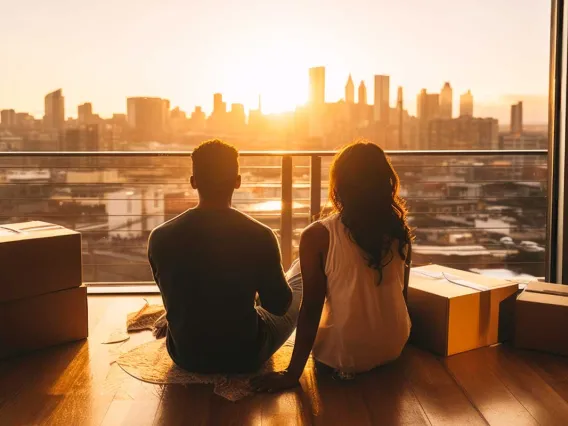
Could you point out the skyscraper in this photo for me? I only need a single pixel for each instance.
(197, 120)
(463, 133)
(237, 117)
(147, 117)
(382, 96)
(517, 118)
(399, 99)
(8, 118)
(400, 115)
(317, 86)
(54, 115)
(81, 138)
(428, 105)
(85, 113)
(350, 91)
(446, 102)
(362, 96)
(466, 104)
(219, 107)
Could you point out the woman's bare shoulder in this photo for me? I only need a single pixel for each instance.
(315, 235)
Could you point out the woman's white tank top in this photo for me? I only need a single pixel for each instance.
(364, 324)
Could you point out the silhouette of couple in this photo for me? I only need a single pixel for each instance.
(229, 304)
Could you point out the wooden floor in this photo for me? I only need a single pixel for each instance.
(77, 384)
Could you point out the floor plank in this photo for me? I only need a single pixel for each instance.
(91, 396)
(78, 384)
(486, 390)
(182, 405)
(539, 398)
(441, 398)
(287, 408)
(389, 397)
(247, 412)
(25, 391)
(553, 370)
(338, 402)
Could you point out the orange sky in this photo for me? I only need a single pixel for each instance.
(185, 51)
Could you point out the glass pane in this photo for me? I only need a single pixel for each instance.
(464, 79)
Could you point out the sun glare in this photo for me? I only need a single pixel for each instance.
(277, 71)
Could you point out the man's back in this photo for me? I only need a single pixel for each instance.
(209, 265)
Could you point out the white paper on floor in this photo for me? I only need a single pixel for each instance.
(116, 336)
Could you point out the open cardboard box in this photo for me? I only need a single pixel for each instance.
(42, 321)
(454, 311)
(541, 318)
(37, 258)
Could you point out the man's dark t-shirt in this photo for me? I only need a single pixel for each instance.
(209, 266)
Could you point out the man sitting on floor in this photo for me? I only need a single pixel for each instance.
(210, 263)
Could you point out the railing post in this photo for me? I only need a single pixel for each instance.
(315, 187)
(286, 212)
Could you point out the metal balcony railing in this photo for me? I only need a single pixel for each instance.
(476, 210)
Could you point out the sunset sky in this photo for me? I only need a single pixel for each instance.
(103, 51)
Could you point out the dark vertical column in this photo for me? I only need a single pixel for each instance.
(315, 187)
(557, 245)
(286, 212)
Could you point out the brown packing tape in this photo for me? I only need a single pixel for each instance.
(15, 231)
(43, 227)
(551, 292)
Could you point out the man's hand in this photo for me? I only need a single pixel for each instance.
(274, 382)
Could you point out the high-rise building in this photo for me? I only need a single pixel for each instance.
(54, 115)
(517, 118)
(237, 117)
(362, 96)
(24, 120)
(317, 86)
(446, 102)
(524, 141)
(148, 117)
(350, 91)
(463, 133)
(8, 118)
(428, 106)
(178, 121)
(400, 116)
(382, 97)
(81, 138)
(219, 107)
(197, 120)
(466, 104)
(85, 113)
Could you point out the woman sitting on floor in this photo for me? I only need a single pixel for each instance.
(353, 263)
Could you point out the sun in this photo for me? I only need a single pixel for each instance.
(278, 73)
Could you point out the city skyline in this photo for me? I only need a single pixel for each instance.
(168, 50)
(534, 101)
(448, 103)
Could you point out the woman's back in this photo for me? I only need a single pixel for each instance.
(364, 323)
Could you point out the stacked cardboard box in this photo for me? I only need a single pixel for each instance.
(42, 300)
(541, 318)
(454, 311)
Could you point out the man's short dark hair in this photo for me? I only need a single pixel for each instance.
(215, 167)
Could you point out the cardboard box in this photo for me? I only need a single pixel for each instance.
(42, 321)
(37, 258)
(454, 311)
(541, 318)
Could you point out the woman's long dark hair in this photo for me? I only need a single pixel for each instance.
(364, 191)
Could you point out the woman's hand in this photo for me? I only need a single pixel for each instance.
(275, 382)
